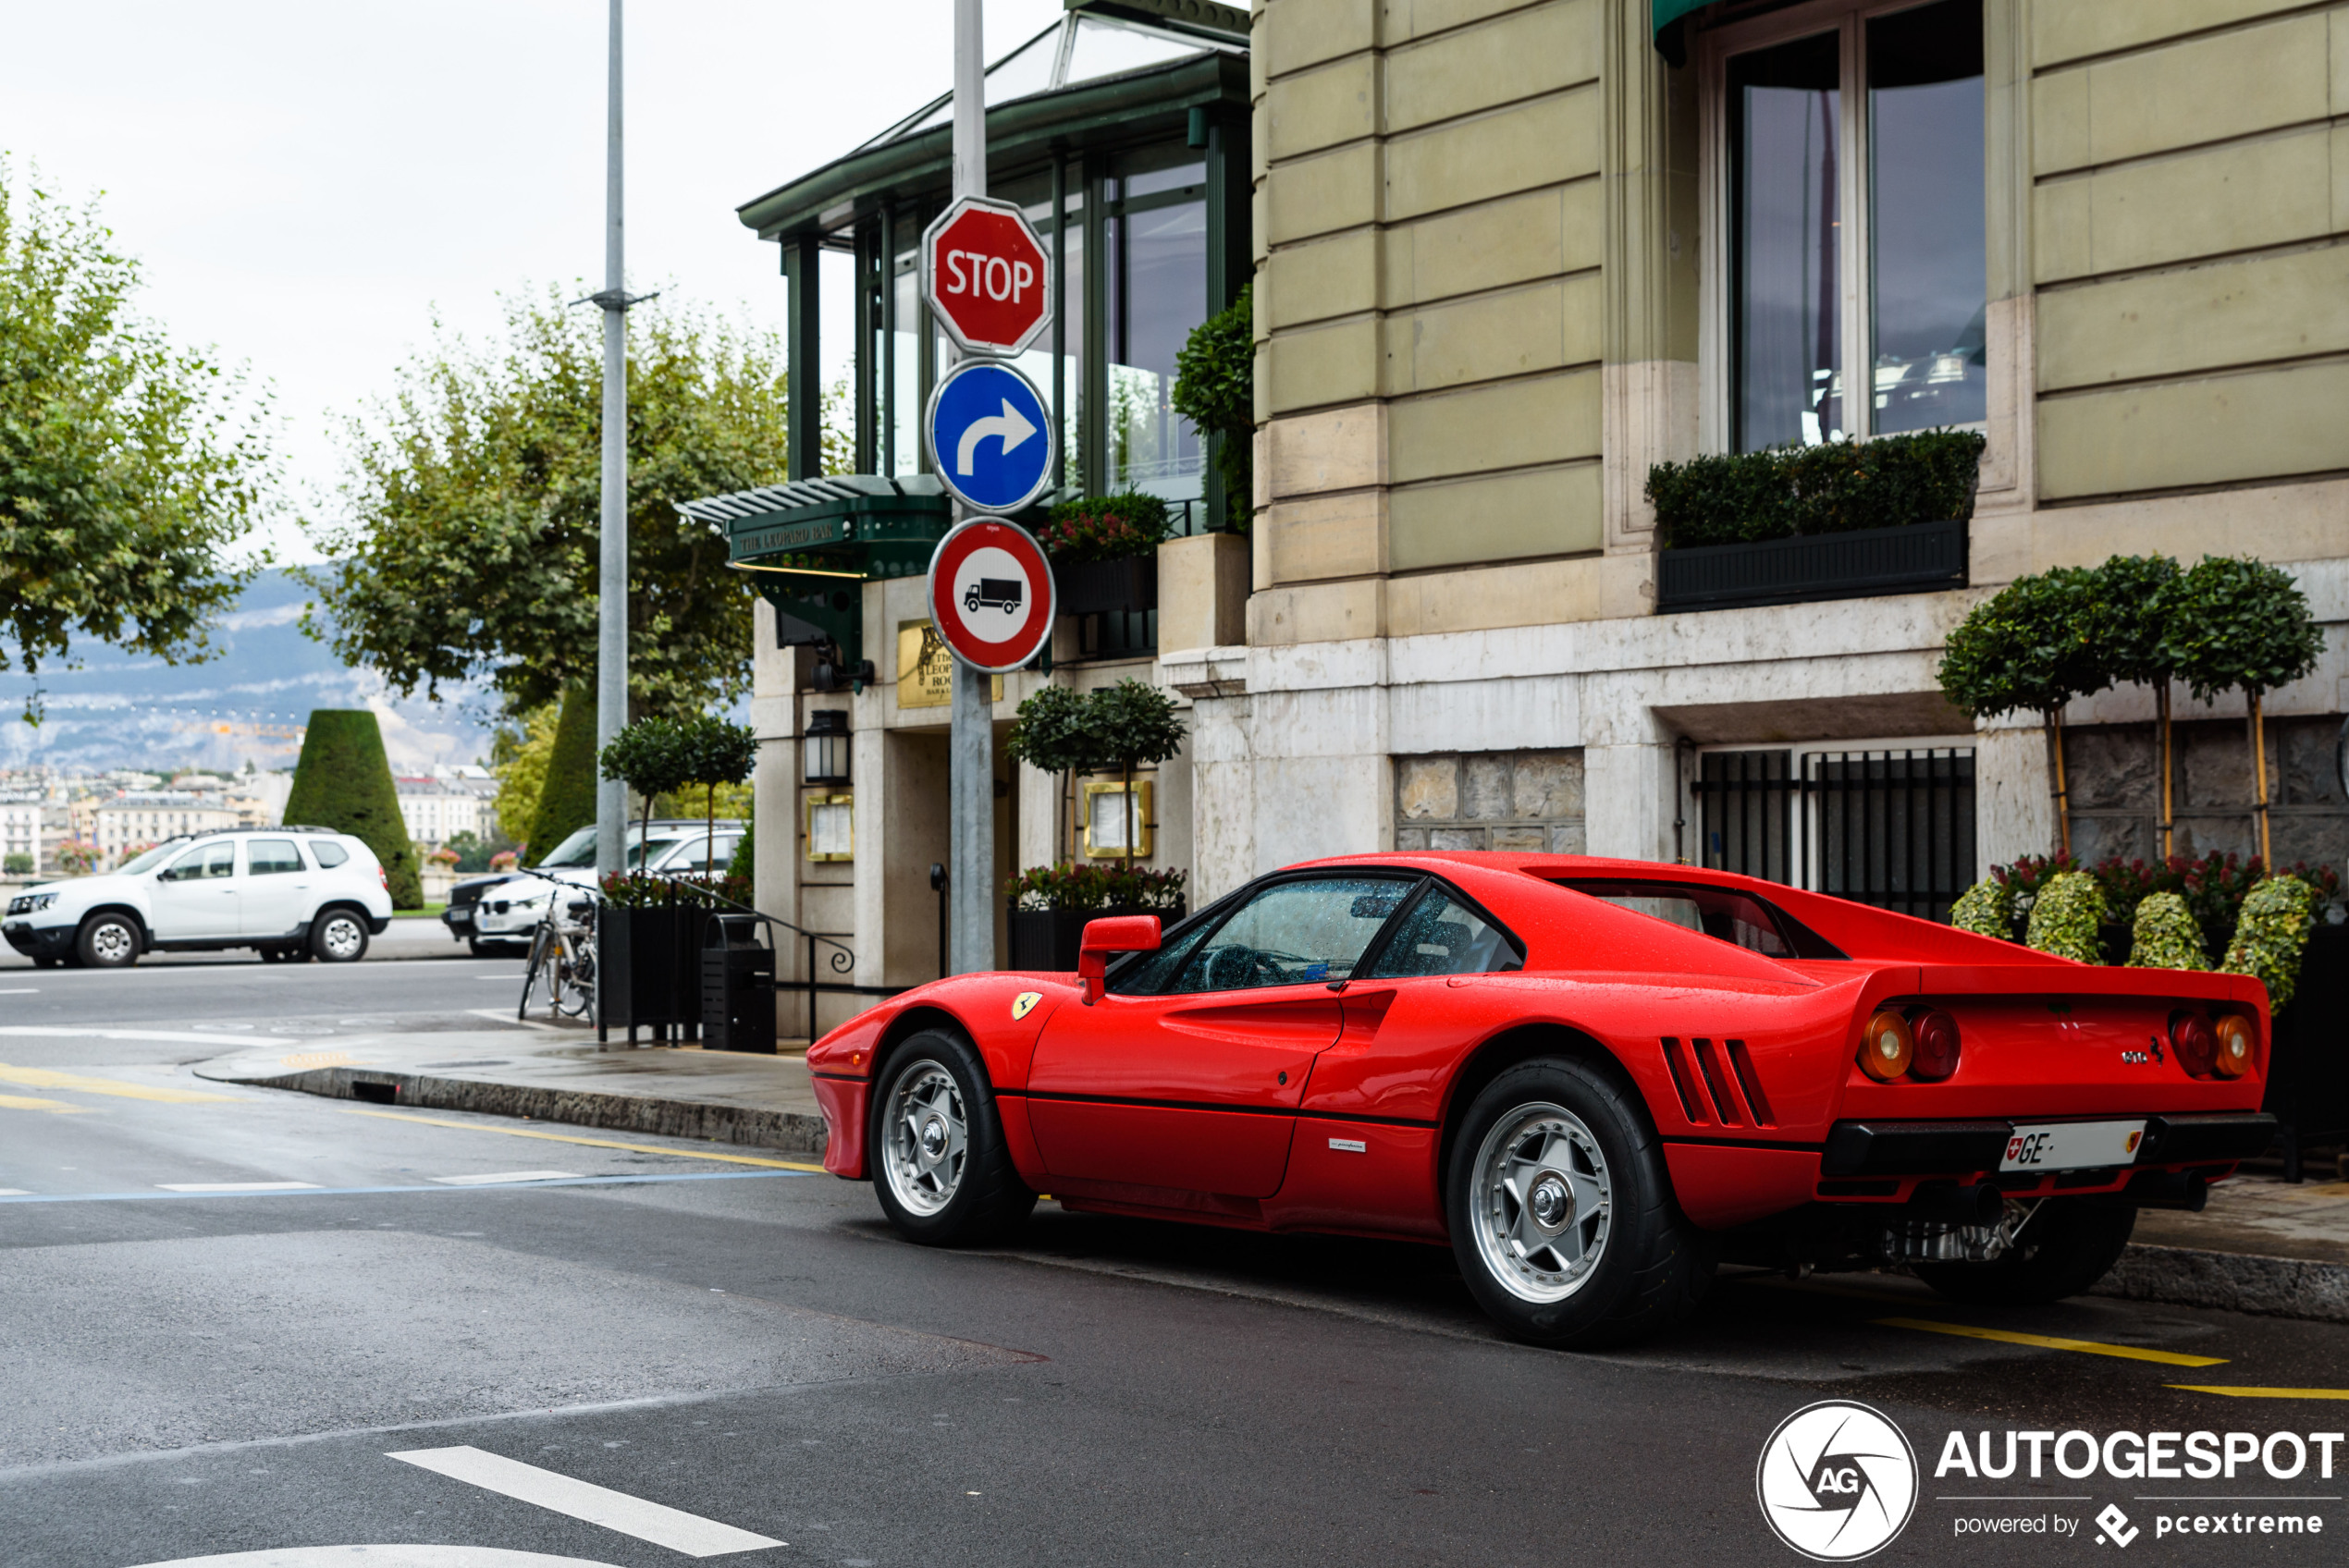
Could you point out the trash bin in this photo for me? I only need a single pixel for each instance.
(737, 987)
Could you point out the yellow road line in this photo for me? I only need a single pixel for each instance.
(2262, 1394)
(43, 1078)
(2050, 1341)
(591, 1143)
(22, 1102)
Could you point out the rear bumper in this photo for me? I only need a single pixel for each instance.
(1965, 1148)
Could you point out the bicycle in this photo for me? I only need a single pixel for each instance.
(562, 947)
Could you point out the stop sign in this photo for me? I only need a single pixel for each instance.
(987, 276)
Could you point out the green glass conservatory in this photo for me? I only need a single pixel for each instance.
(1122, 130)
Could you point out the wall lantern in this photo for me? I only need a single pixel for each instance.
(827, 746)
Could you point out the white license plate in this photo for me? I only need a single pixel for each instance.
(2072, 1146)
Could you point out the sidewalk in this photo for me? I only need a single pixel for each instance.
(2261, 1247)
(557, 1075)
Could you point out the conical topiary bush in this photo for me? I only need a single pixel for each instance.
(567, 800)
(343, 781)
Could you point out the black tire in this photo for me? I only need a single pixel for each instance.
(2065, 1247)
(46, 962)
(1623, 1261)
(107, 940)
(338, 936)
(946, 1199)
(273, 955)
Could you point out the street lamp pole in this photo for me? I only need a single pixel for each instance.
(611, 641)
(971, 740)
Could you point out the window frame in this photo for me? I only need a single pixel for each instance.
(1717, 413)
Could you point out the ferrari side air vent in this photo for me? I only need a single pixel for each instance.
(1690, 1106)
(1708, 1061)
(1747, 1081)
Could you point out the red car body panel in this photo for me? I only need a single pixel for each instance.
(1309, 1107)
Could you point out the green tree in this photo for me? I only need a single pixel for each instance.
(713, 752)
(2240, 624)
(2031, 644)
(127, 466)
(1215, 389)
(649, 756)
(472, 508)
(343, 781)
(567, 799)
(1132, 724)
(1050, 734)
(518, 754)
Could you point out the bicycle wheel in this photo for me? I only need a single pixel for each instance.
(574, 982)
(530, 976)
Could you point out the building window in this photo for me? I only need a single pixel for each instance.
(1155, 266)
(1847, 147)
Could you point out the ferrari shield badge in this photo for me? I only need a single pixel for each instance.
(1025, 1003)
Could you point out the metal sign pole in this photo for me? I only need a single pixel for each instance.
(970, 748)
(611, 641)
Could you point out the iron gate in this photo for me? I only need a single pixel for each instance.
(1890, 829)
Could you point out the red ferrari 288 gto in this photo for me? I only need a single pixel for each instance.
(1594, 1079)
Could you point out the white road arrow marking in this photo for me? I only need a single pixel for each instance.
(654, 1522)
(1010, 424)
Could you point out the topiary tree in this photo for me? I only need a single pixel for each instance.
(2133, 603)
(650, 758)
(2270, 936)
(1133, 725)
(712, 752)
(2033, 645)
(567, 798)
(2065, 916)
(2165, 936)
(1215, 389)
(1050, 733)
(343, 781)
(2239, 624)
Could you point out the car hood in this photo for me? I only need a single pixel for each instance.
(99, 886)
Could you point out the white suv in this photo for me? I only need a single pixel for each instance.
(294, 894)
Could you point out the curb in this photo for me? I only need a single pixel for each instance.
(785, 1131)
(2272, 1287)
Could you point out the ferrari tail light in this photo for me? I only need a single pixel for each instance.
(1887, 1048)
(1935, 1035)
(2194, 1041)
(2233, 1059)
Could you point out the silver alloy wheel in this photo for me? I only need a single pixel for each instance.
(925, 1137)
(113, 942)
(342, 938)
(1541, 1202)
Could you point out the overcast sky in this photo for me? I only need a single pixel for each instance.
(308, 184)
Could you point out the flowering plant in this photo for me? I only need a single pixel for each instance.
(1103, 528)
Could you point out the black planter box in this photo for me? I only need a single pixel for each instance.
(1103, 587)
(1049, 938)
(2309, 1068)
(648, 968)
(1818, 566)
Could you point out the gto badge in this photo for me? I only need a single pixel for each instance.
(1025, 1003)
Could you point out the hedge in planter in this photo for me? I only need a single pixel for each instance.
(1215, 389)
(2164, 935)
(2065, 916)
(2272, 935)
(1836, 487)
(1986, 909)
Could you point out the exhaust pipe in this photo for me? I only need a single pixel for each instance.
(1946, 1203)
(2163, 1189)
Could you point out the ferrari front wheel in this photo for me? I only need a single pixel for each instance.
(1561, 1210)
(941, 1167)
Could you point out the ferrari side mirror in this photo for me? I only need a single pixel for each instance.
(1115, 934)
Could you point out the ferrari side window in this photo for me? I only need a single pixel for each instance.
(1294, 934)
(1440, 937)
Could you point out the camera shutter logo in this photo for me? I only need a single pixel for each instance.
(1838, 1481)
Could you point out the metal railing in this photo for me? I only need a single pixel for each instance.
(841, 960)
(1891, 828)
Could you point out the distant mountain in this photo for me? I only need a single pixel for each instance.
(250, 701)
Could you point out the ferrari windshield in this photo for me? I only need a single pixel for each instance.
(1724, 914)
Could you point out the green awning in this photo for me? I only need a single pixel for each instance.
(1667, 12)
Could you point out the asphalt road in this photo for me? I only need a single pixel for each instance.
(495, 1338)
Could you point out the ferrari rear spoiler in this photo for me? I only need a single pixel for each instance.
(2085, 980)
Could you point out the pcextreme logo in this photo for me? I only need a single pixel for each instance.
(1838, 1481)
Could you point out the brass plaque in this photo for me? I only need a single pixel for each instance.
(926, 668)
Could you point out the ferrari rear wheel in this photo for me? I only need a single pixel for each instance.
(939, 1164)
(1561, 1210)
(2065, 1246)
